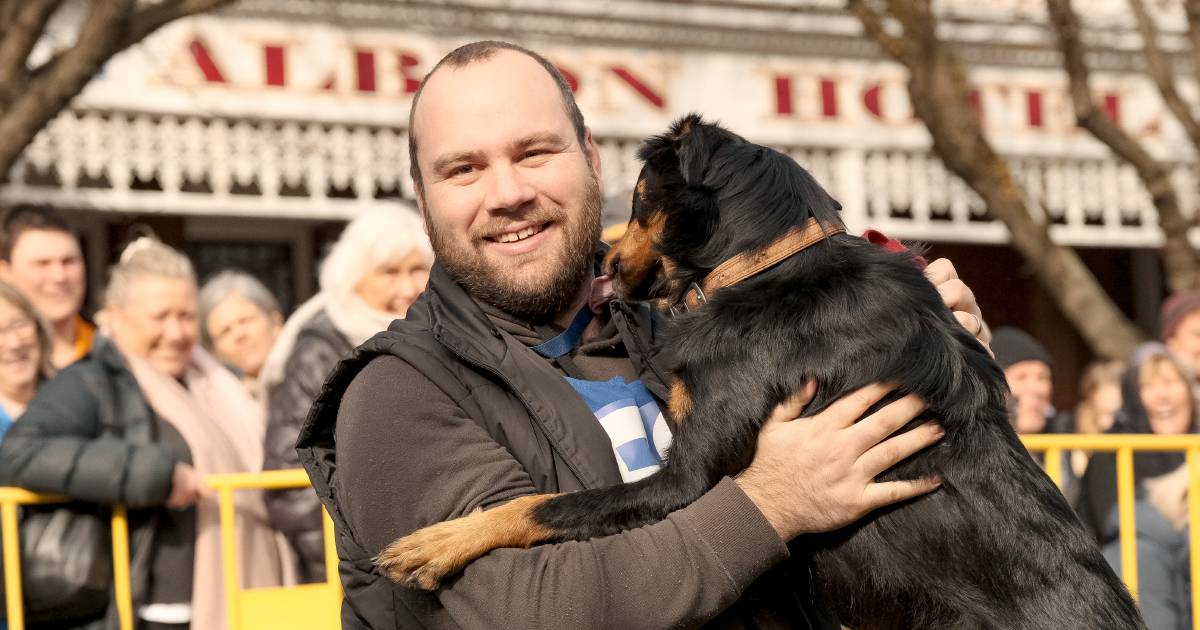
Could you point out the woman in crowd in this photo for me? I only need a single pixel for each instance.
(24, 355)
(25, 351)
(140, 421)
(240, 320)
(1100, 399)
(1156, 398)
(377, 268)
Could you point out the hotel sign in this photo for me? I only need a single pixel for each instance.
(255, 68)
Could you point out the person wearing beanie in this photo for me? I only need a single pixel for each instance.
(1179, 323)
(1029, 371)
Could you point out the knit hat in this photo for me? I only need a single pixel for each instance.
(1174, 309)
(1011, 345)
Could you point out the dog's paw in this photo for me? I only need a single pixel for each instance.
(426, 557)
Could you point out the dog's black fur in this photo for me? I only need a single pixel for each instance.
(996, 546)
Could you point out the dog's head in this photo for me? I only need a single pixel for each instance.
(704, 195)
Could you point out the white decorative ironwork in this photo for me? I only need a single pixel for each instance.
(141, 163)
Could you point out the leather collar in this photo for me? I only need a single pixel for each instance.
(749, 264)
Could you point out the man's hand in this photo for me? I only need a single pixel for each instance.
(187, 487)
(818, 475)
(959, 298)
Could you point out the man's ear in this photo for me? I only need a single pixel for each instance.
(5, 271)
(591, 152)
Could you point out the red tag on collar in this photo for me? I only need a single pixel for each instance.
(892, 245)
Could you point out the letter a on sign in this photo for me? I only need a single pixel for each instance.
(205, 62)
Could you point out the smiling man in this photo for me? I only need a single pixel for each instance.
(40, 256)
(511, 377)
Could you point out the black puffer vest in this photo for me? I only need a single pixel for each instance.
(449, 339)
(492, 376)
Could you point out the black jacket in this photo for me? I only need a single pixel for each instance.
(89, 434)
(296, 512)
(528, 409)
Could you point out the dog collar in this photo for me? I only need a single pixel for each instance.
(743, 266)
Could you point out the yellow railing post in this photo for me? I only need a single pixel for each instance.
(12, 566)
(331, 559)
(1193, 464)
(1125, 512)
(1054, 466)
(229, 558)
(120, 550)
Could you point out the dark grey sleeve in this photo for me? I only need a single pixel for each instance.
(296, 512)
(408, 457)
(56, 447)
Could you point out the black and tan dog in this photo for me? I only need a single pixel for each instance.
(790, 298)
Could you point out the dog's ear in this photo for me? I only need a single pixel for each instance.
(694, 143)
(695, 221)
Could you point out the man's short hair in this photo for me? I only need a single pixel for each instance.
(482, 51)
(23, 218)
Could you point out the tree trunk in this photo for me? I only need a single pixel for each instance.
(30, 99)
(939, 91)
(1179, 258)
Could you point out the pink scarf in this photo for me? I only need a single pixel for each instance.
(223, 426)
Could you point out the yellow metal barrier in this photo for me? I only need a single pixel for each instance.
(315, 606)
(1124, 446)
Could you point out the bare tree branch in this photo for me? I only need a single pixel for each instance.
(1192, 9)
(109, 27)
(1179, 258)
(21, 32)
(1159, 67)
(938, 87)
(51, 90)
(873, 25)
(153, 17)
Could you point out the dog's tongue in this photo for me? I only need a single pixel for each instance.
(600, 293)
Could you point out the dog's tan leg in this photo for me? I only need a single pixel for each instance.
(680, 403)
(427, 556)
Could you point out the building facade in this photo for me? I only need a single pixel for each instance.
(249, 136)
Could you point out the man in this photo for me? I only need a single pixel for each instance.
(1180, 328)
(454, 410)
(41, 258)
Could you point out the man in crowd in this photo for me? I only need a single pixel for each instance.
(40, 256)
(460, 408)
(1180, 328)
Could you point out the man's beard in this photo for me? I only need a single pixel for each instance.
(531, 298)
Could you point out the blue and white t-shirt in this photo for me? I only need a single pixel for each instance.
(634, 424)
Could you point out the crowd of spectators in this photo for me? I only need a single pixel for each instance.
(179, 381)
(169, 382)
(1154, 391)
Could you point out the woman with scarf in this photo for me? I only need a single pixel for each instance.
(1156, 399)
(374, 272)
(140, 421)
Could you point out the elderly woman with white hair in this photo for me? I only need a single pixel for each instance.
(239, 321)
(375, 271)
(140, 421)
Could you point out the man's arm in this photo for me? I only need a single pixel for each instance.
(409, 457)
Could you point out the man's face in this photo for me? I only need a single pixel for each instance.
(47, 267)
(511, 199)
(1185, 341)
